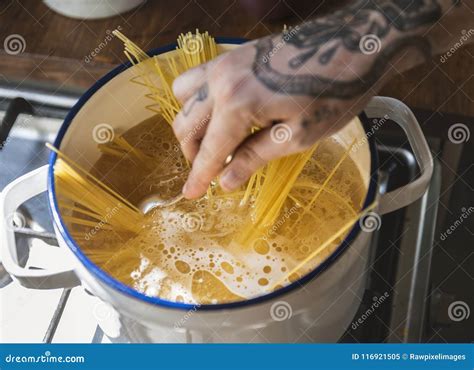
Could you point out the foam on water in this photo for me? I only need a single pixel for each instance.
(188, 252)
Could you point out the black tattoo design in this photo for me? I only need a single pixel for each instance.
(323, 113)
(200, 95)
(322, 87)
(346, 27)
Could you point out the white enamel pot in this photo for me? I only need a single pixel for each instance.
(318, 307)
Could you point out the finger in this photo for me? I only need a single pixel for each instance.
(225, 132)
(187, 84)
(191, 123)
(266, 145)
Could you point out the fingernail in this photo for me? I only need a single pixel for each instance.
(176, 85)
(229, 180)
(185, 188)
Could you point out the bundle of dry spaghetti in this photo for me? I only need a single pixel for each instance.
(192, 50)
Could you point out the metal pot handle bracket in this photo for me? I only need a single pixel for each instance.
(381, 106)
(15, 194)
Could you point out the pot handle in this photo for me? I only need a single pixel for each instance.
(15, 194)
(397, 111)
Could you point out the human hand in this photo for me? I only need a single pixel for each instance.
(297, 87)
(223, 100)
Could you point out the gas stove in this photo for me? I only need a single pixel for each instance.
(401, 250)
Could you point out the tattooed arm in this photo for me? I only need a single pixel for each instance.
(312, 78)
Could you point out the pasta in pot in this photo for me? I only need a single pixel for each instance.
(225, 246)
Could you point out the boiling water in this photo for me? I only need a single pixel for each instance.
(189, 252)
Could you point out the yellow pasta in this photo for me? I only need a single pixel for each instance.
(270, 187)
(324, 245)
(222, 247)
(93, 199)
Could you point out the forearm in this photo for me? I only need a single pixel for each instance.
(356, 49)
(440, 26)
(449, 23)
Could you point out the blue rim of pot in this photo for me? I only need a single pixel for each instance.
(127, 290)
